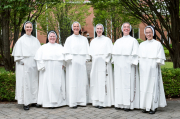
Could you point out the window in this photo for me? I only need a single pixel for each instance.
(136, 33)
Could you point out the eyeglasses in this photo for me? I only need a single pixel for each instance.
(126, 27)
(148, 32)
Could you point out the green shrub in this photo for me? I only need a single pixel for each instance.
(171, 81)
(139, 41)
(165, 48)
(167, 53)
(7, 86)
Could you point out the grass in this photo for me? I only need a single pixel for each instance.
(167, 65)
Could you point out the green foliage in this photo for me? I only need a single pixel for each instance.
(13, 13)
(7, 86)
(61, 16)
(112, 16)
(171, 81)
(167, 53)
(164, 16)
(2, 70)
(139, 40)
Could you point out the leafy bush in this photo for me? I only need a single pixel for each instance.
(167, 53)
(139, 41)
(7, 86)
(171, 80)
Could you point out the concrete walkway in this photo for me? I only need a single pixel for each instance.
(15, 111)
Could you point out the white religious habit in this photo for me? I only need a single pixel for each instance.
(151, 56)
(76, 49)
(126, 78)
(50, 63)
(101, 79)
(26, 69)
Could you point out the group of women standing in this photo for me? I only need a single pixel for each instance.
(53, 76)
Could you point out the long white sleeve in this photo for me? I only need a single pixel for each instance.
(40, 65)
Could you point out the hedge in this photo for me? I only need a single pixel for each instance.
(167, 53)
(171, 80)
(7, 86)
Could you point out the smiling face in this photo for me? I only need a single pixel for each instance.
(52, 38)
(28, 28)
(99, 30)
(126, 29)
(149, 33)
(76, 28)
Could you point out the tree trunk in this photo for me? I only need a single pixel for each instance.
(175, 35)
(1, 43)
(6, 42)
(176, 54)
(114, 28)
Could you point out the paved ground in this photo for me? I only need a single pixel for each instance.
(15, 111)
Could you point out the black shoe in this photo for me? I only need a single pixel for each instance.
(26, 107)
(74, 107)
(35, 105)
(96, 106)
(100, 107)
(152, 112)
(51, 107)
(144, 111)
(127, 110)
(38, 106)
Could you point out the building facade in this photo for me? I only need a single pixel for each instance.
(138, 33)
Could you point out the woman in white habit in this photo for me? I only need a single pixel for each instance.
(151, 57)
(76, 49)
(101, 79)
(26, 68)
(50, 65)
(126, 78)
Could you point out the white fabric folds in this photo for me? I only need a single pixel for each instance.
(49, 59)
(26, 46)
(152, 49)
(26, 69)
(126, 45)
(76, 49)
(101, 79)
(101, 46)
(126, 78)
(76, 44)
(151, 56)
(50, 52)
